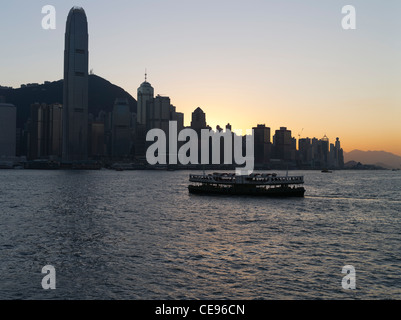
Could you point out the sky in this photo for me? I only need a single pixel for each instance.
(282, 63)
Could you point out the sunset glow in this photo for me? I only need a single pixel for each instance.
(266, 62)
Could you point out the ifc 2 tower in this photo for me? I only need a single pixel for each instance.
(75, 104)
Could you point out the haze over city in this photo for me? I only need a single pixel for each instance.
(278, 63)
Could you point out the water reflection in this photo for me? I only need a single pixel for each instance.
(140, 235)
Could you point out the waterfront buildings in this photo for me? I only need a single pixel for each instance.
(121, 129)
(45, 131)
(8, 129)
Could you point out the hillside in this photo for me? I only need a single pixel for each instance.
(102, 95)
(379, 158)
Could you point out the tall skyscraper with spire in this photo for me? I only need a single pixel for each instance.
(75, 104)
(145, 94)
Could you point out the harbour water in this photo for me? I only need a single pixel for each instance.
(141, 235)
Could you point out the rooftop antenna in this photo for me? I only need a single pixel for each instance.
(146, 75)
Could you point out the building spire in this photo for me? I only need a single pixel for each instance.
(146, 75)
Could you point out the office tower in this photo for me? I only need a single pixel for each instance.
(336, 154)
(145, 94)
(325, 143)
(180, 121)
(158, 113)
(96, 140)
(198, 120)
(8, 129)
(121, 129)
(261, 144)
(283, 143)
(305, 150)
(45, 131)
(76, 59)
(177, 116)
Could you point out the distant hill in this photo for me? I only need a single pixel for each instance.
(102, 95)
(379, 158)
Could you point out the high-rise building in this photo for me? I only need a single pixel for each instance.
(158, 113)
(145, 94)
(177, 116)
(305, 150)
(262, 144)
(8, 130)
(336, 155)
(325, 143)
(121, 129)
(198, 120)
(45, 131)
(97, 146)
(76, 60)
(283, 144)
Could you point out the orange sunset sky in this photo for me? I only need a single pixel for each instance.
(280, 63)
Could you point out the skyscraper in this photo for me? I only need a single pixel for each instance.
(198, 120)
(45, 131)
(121, 129)
(262, 144)
(283, 144)
(75, 107)
(8, 126)
(145, 94)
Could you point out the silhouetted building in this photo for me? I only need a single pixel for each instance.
(283, 144)
(76, 59)
(121, 129)
(45, 131)
(262, 145)
(336, 155)
(305, 151)
(198, 120)
(177, 116)
(8, 129)
(180, 121)
(97, 147)
(158, 113)
(325, 149)
(145, 94)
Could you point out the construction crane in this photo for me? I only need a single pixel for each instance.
(299, 134)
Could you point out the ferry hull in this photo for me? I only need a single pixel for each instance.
(270, 192)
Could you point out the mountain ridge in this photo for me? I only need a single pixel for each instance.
(101, 96)
(372, 157)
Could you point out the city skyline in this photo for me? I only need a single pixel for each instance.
(314, 77)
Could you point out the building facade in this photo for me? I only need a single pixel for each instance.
(8, 130)
(145, 93)
(76, 60)
(262, 144)
(45, 131)
(121, 129)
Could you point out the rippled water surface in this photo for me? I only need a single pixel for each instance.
(141, 235)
